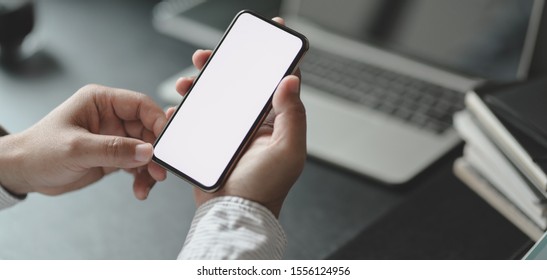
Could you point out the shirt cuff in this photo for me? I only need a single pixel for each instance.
(232, 227)
(3, 132)
(6, 199)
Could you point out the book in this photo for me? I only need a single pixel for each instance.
(534, 210)
(465, 172)
(503, 130)
(477, 140)
(494, 167)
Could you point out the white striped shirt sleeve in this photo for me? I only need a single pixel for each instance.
(234, 228)
(6, 200)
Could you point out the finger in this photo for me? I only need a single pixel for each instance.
(170, 112)
(110, 124)
(183, 85)
(200, 57)
(148, 136)
(129, 105)
(279, 20)
(133, 129)
(142, 184)
(290, 114)
(94, 150)
(270, 118)
(157, 172)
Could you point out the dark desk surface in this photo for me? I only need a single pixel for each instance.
(329, 213)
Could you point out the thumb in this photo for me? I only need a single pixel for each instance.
(114, 151)
(290, 114)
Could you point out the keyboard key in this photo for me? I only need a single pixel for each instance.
(419, 119)
(412, 100)
(387, 108)
(403, 113)
(436, 126)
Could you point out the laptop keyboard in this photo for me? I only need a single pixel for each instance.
(412, 100)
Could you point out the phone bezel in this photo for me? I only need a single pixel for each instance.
(259, 119)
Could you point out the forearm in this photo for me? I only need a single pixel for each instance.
(234, 228)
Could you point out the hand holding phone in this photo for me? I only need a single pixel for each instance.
(229, 100)
(275, 157)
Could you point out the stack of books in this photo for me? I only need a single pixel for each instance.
(505, 155)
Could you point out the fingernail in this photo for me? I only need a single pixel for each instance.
(143, 152)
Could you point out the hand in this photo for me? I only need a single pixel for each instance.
(95, 132)
(275, 157)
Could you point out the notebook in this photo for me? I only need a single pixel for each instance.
(505, 206)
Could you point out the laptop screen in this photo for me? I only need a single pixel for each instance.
(484, 38)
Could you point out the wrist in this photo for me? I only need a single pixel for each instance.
(10, 157)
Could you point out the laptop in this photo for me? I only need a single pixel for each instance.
(382, 79)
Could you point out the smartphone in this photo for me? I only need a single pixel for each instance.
(229, 100)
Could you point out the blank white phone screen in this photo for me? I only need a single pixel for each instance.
(226, 100)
